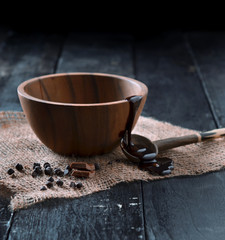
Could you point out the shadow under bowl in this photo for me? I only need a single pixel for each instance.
(80, 113)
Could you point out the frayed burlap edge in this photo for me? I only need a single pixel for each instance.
(18, 144)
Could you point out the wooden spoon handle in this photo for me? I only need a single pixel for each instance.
(174, 142)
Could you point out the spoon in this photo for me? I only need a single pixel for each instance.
(144, 152)
(141, 149)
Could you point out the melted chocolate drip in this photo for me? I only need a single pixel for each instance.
(148, 160)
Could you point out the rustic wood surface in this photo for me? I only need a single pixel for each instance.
(185, 75)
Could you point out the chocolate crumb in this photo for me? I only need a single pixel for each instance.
(38, 170)
(10, 171)
(97, 166)
(46, 165)
(69, 168)
(48, 171)
(51, 179)
(34, 174)
(49, 184)
(19, 167)
(66, 172)
(58, 172)
(59, 182)
(36, 164)
(73, 185)
(79, 185)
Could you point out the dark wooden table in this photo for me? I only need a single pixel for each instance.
(185, 73)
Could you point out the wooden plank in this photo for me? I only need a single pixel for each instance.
(186, 208)
(175, 92)
(5, 215)
(179, 208)
(208, 52)
(22, 56)
(104, 215)
(104, 53)
(110, 214)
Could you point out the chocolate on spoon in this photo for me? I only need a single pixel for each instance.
(144, 152)
(141, 150)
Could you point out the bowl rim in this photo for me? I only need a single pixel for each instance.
(21, 91)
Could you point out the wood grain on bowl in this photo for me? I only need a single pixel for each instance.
(79, 113)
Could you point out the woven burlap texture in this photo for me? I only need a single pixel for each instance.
(18, 144)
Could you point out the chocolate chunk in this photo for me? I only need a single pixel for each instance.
(58, 172)
(43, 188)
(19, 167)
(69, 168)
(171, 167)
(46, 165)
(83, 173)
(162, 166)
(73, 185)
(49, 184)
(10, 171)
(34, 174)
(36, 164)
(51, 179)
(59, 182)
(66, 172)
(165, 172)
(48, 171)
(82, 166)
(79, 185)
(38, 170)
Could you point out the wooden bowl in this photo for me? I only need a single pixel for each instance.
(79, 113)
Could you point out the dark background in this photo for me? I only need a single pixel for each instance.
(135, 18)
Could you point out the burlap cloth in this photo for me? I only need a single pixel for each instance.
(18, 144)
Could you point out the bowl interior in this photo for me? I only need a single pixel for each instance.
(82, 88)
